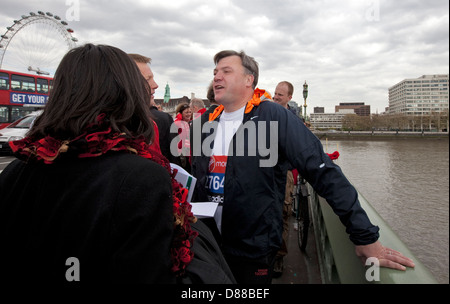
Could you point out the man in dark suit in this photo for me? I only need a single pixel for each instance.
(163, 120)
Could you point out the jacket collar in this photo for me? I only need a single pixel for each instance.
(258, 97)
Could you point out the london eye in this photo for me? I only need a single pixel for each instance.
(35, 43)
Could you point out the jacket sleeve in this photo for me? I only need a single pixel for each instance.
(305, 152)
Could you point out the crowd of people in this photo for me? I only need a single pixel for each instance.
(92, 181)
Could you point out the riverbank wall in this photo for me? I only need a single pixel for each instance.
(378, 135)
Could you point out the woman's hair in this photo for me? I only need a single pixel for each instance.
(95, 79)
(181, 107)
(210, 93)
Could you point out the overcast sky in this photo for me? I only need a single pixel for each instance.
(347, 50)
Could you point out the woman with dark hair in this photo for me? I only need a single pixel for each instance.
(88, 198)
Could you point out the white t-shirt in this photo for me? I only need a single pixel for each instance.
(229, 123)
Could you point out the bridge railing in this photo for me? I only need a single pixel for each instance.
(338, 261)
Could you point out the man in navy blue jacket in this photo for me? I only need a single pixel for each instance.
(240, 158)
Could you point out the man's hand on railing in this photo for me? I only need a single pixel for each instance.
(388, 257)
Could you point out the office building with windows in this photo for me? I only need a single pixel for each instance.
(360, 108)
(425, 95)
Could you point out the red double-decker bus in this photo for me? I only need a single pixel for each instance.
(21, 94)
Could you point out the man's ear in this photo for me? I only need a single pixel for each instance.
(249, 80)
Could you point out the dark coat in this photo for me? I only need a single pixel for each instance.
(113, 213)
(209, 265)
(164, 121)
(254, 194)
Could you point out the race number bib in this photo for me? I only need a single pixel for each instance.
(216, 177)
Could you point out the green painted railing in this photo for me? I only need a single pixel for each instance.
(337, 258)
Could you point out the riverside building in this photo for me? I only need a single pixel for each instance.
(425, 95)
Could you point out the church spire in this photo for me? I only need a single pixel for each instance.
(167, 94)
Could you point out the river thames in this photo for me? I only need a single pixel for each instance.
(407, 182)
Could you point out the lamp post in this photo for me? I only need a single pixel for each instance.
(305, 95)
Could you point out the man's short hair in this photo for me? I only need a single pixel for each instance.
(249, 63)
(290, 87)
(198, 103)
(140, 58)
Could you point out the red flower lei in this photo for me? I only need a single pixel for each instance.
(99, 139)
